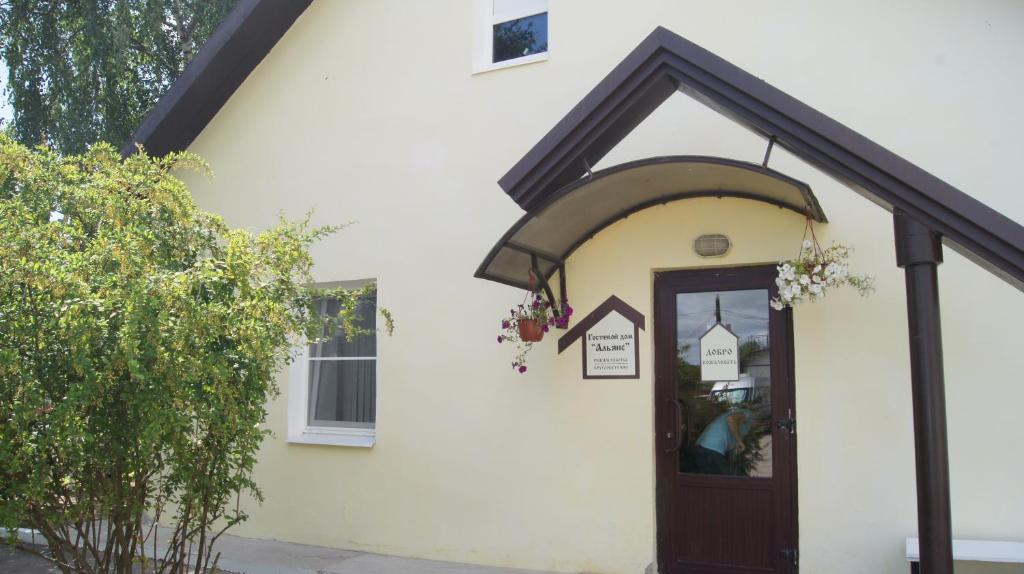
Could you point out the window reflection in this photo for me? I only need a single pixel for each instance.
(725, 425)
(521, 37)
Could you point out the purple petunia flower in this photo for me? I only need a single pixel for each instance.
(522, 368)
(544, 327)
(505, 324)
(500, 338)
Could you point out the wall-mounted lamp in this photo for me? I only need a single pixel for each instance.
(712, 245)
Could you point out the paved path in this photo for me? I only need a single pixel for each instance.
(21, 562)
(249, 556)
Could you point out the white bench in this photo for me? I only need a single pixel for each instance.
(972, 551)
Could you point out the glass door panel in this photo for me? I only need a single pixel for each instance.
(724, 425)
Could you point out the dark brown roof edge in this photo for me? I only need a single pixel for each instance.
(234, 50)
(665, 62)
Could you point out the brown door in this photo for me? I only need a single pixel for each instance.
(726, 448)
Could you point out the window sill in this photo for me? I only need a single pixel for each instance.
(531, 59)
(361, 438)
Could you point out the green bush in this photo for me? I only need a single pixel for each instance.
(139, 341)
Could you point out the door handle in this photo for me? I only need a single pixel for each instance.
(791, 555)
(677, 427)
(787, 424)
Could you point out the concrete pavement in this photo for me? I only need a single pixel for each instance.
(17, 561)
(252, 556)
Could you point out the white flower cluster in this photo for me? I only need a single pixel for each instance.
(814, 273)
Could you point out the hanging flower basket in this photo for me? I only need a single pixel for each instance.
(815, 272)
(531, 331)
(527, 323)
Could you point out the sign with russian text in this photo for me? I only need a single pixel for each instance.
(610, 348)
(719, 355)
(610, 339)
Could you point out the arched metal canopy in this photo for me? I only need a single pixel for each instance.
(549, 234)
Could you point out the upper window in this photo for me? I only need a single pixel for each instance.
(509, 33)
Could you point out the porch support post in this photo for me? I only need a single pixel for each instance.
(919, 252)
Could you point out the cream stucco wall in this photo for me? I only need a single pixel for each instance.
(367, 111)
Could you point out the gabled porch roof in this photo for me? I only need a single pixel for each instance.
(665, 63)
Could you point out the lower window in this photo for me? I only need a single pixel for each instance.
(343, 373)
(332, 389)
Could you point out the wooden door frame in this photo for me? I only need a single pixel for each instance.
(666, 285)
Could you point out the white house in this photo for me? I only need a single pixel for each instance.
(651, 162)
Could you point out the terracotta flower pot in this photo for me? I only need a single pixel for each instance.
(530, 330)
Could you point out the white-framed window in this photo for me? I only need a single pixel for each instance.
(332, 384)
(509, 33)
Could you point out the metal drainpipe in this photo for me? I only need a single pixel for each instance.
(919, 252)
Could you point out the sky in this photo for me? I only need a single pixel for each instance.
(5, 109)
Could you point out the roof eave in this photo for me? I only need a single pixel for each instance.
(225, 60)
